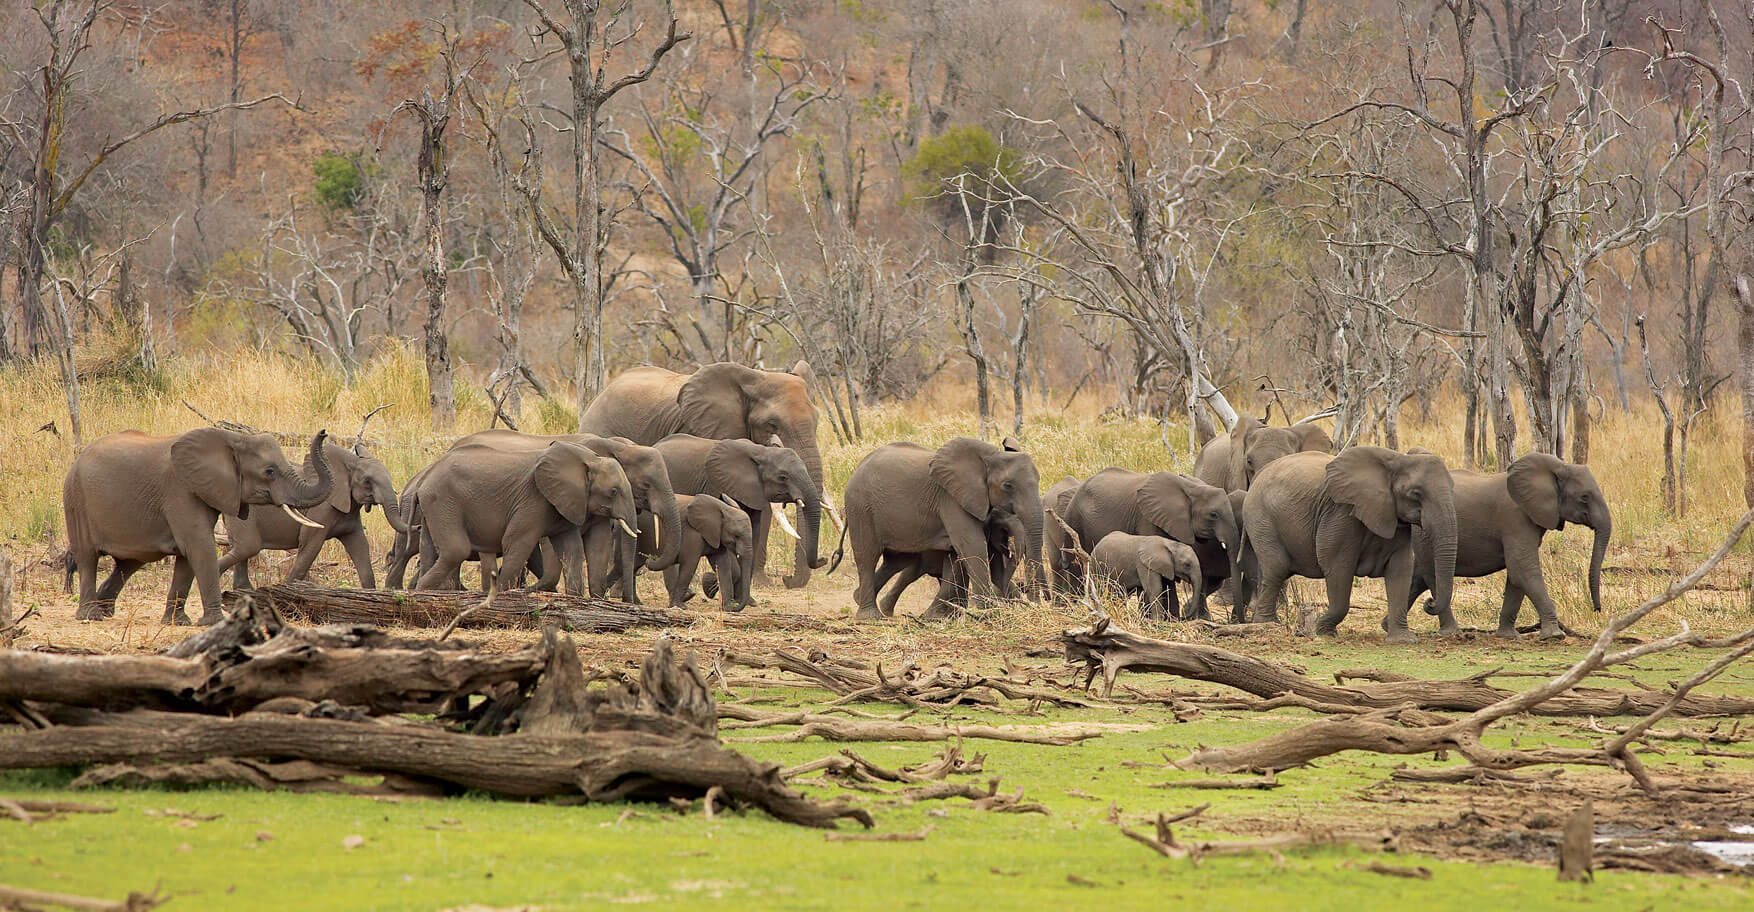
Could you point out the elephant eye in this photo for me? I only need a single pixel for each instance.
(1008, 486)
(270, 472)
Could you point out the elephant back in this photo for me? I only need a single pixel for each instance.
(1106, 502)
(639, 404)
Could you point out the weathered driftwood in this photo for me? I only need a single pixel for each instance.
(286, 775)
(18, 897)
(1109, 650)
(856, 682)
(837, 728)
(519, 609)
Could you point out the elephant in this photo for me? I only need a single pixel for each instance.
(406, 544)
(906, 499)
(757, 477)
(361, 482)
(484, 501)
(140, 498)
(1062, 550)
(1338, 517)
(718, 401)
(717, 529)
(1178, 507)
(1231, 462)
(1500, 520)
(1148, 566)
(1006, 535)
(652, 495)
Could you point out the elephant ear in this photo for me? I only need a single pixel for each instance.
(1011, 445)
(1534, 484)
(206, 460)
(960, 468)
(564, 478)
(714, 402)
(731, 470)
(343, 468)
(706, 515)
(1239, 460)
(1312, 438)
(1360, 479)
(1163, 500)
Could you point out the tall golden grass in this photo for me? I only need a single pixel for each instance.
(276, 392)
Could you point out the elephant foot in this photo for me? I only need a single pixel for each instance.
(936, 613)
(1400, 635)
(89, 613)
(796, 581)
(1327, 630)
(210, 617)
(1552, 634)
(1431, 607)
(1506, 633)
(1261, 617)
(868, 614)
(709, 583)
(1452, 629)
(179, 619)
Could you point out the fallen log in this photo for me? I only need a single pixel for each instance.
(515, 609)
(835, 728)
(854, 682)
(18, 897)
(1107, 649)
(288, 775)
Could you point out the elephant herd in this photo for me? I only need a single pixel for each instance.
(670, 469)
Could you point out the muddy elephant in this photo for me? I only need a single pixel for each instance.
(482, 502)
(718, 401)
(1178, 507)
(1500, 520)
(760, 478)
(911, 500)
(1231, 462)
(718, 530)
(1149, 566)
(361, 482)
(139, 498)
(1062, 554)
(1339, 517)
(1006, 538)
(612, 558)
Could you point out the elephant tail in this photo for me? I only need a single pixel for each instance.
(840, 549)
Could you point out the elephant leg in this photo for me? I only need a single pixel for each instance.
(516, 557)
(866, 554)
(441, 558)
(906, 571)
(681, 576)
(600, 545)
(1338, 577)
(627, 557)
(1172, 606)
(310, 547)
(1398, 580)
(89, 609)
(569, 554)
(203, 557)
(1526, 570)
(1151, 596)
(1513, 606)
(181, 579)
(360, 552)
(598, 572)
(396, 562)
(762, 521)
(968, 543)
(112, 585)
(1270, 570)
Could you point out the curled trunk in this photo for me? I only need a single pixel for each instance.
(309, 494)
(386, 498)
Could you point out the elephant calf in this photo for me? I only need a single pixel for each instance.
(717, 530)
(1500, 520)
(1149, 566)
(1006, 537)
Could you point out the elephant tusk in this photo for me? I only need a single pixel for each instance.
(657, 534)
(779, 516)
(300, 518)
(627, 528)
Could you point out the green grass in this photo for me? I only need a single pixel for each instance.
(437, 854)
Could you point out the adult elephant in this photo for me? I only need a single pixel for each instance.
(1178, 507)
(905, 499)
(756, 477)
(1500, 520)
(1340, 517)
(1062, 549)
(653, 496)
(1231, 462)
(361, 481)
(483, 502)
(139, 498)
(717, 401)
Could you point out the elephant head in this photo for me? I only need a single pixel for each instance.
(652, 492)
(583, 486)
(727, 534)
(1189, 510)
(1552, 492)
(1386, 489)
(1253, 445)
(1169, 560)
(362, 481)
(755, 476)
(727, 400)
(230, 472)
(983, 478)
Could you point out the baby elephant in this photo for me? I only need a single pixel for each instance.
(1149, 565)
(717, 530)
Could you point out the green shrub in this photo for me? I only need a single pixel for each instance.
(339, 184)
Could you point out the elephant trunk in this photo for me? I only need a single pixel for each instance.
(309, 494)
(1439, 521)
(1230, 537)
(1033, 520)
(1603, 523)
(809, 523)
(386, 498)
(661, 500)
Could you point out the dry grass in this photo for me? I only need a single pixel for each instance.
(275, 392)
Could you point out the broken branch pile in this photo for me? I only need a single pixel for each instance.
(255, 702)
(857, 682)
(516, 609)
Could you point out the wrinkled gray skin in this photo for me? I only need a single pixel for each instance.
(1148, 566)
(718, 401)
(905, 499)
(1231, 462)
(481, 502)
(1500, 520)
(139, 498)
(719, 531)
(610, 556)
(1339, 517)
(361, 482)
(1178, 507)
(1006, 536)
(1062, 549)
(407, 544)
(757, 477)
